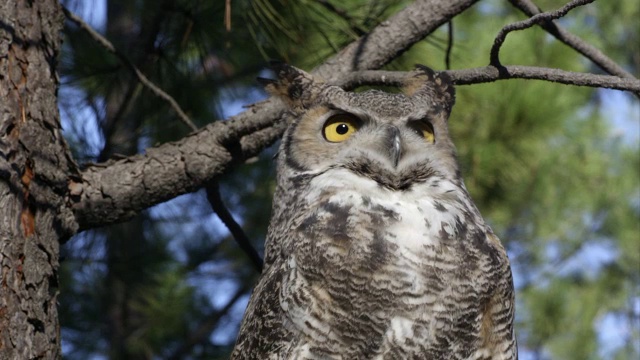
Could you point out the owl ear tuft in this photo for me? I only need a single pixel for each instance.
(427, 83)
(295, 86)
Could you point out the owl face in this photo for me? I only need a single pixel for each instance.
(396, 140)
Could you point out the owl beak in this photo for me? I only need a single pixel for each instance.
(395, 142)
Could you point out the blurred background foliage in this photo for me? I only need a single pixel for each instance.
(554, 169)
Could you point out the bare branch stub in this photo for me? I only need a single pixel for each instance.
(107, 45)
(525, 24)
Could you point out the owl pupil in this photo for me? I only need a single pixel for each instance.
(342, 129)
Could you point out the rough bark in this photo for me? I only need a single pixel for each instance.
(34, 168)
(116, 191)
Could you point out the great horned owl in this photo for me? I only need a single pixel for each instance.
(375, 249)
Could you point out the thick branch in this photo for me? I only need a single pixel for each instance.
(116, 191)
(391, 38)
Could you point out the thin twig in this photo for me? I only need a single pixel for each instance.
(447, 57)
(215, 200)
(573, 41)
(340, 12)
(107, 45)
(521, 25)
(492, 73)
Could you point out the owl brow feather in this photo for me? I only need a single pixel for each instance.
(337, 110)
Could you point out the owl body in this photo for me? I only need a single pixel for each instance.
(375, 249)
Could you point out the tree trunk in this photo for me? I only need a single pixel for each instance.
(35, 166)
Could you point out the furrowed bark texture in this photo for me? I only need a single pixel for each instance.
(34, 168)
(116, 191)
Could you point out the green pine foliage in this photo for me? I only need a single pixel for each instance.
(545, 163)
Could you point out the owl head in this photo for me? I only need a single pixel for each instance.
(397, 140)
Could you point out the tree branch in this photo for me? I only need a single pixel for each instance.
(212, 189)
(525, 24)
(492, 73)
(584, 48)
(117, 190)
(218, 206)
(107, 45)
(391, 38)
(447, 57)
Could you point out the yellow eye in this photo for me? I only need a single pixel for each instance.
(424, 129)
(340, 127)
